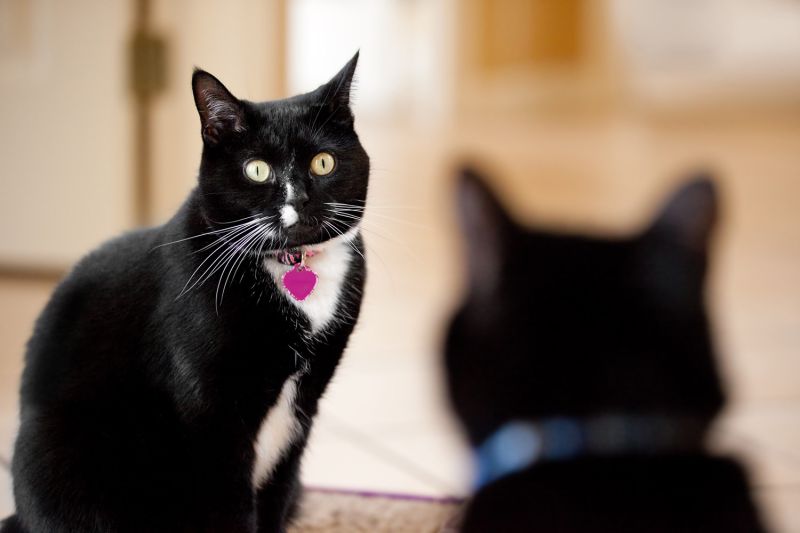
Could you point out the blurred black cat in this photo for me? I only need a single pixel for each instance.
(583, 372)
(171, 381)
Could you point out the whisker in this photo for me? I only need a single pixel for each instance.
(348, 216)
(391, 219)
(374, 206)
(236, 262)
(215, 265)
(327, 224)
(327, 232)
(214, 232)
(224, 239)
(267, 237)
(340, 233)
(220, 247)
(235, 248)
(235, 221)
(406, 248)
(369, 230)
(242, 252)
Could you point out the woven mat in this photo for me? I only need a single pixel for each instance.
(333, 511)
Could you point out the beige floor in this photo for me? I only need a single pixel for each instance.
(384, 423)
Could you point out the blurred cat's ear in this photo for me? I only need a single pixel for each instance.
(688, 217)
(486, 229)
(335, 95)
(221, 113)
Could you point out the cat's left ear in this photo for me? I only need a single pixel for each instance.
(487, 231)
(335, 95)
(689, 216)
(221, 113)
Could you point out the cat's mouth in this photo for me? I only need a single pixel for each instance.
(315, 237)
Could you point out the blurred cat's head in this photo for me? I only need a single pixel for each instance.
(298, 161)
(557, 324)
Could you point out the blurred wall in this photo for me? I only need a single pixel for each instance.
(406, 54)
(518, 56)
(427, 65)
(65, 135)
(68, 179)
(695, 54)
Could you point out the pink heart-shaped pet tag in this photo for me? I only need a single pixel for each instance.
(300, 282)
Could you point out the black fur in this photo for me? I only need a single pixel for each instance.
(140, 401)
(562, 325)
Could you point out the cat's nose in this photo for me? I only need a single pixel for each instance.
(300, 199)
(296, 195)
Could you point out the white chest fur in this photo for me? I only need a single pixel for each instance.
(331, 264)
(280, 427)
(278, 430)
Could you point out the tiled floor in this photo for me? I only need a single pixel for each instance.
(384, 423)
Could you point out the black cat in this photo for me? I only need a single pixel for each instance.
(583, 372)
(171, 382)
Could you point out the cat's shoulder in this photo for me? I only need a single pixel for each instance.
(119, 262)
(124, 253)
(111, 278)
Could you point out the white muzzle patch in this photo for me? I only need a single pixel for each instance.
(288, 216)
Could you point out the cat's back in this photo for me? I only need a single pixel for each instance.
(95, 424)
(124, 260)
(96, 316)
(110, 283)
(692, 492)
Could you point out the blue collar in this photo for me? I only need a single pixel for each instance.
(520, 444)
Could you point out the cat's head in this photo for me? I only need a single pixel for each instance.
(557, 324)
(297, 162)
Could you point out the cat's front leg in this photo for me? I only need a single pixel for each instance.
(229, 523)
(279, 497)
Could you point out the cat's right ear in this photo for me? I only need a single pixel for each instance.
(334, 97)
(689, 215)
(221, 113)
(486, 228)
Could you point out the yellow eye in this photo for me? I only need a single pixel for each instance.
(257, 170)
(322, 164)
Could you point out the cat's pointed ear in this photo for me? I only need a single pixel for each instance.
(486, 228)
(335, 95)
(221, 113)
(689, 216)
